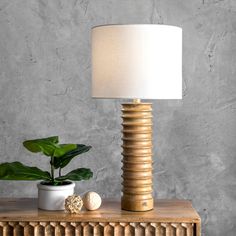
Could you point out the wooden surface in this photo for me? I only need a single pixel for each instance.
(168, 218)
(137, 157)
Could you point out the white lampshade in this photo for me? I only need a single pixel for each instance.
(137, 61)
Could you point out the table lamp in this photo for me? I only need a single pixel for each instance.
(137, 62)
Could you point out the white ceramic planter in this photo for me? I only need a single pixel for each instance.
(53, 197)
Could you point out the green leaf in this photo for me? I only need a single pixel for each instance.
(62, 149)
(18, 171)
(68, 156)
(77, 175)
(45, 145)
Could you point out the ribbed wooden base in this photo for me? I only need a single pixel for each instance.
(137, 157)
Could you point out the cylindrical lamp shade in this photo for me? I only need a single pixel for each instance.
(137, 61)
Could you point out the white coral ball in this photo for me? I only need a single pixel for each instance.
(92, 201)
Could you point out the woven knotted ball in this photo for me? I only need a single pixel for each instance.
(73, 204)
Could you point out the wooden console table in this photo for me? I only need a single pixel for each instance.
(21, 217)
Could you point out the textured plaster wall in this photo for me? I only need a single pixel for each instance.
(45, 83)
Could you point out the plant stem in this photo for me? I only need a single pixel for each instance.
(52, 168)
(60, 172)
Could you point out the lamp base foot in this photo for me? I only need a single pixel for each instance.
(139, 205)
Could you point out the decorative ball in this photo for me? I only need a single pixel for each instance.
(73, 204)
(92, 201)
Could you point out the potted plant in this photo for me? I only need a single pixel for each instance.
(52, 190)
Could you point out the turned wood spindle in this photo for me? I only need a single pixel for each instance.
(137, 156)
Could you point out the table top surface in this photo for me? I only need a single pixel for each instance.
(25, 209)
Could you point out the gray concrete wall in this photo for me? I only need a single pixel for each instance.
(45, 83)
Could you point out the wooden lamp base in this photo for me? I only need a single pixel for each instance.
(137, 157)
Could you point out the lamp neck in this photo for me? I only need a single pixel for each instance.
(137, 100)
